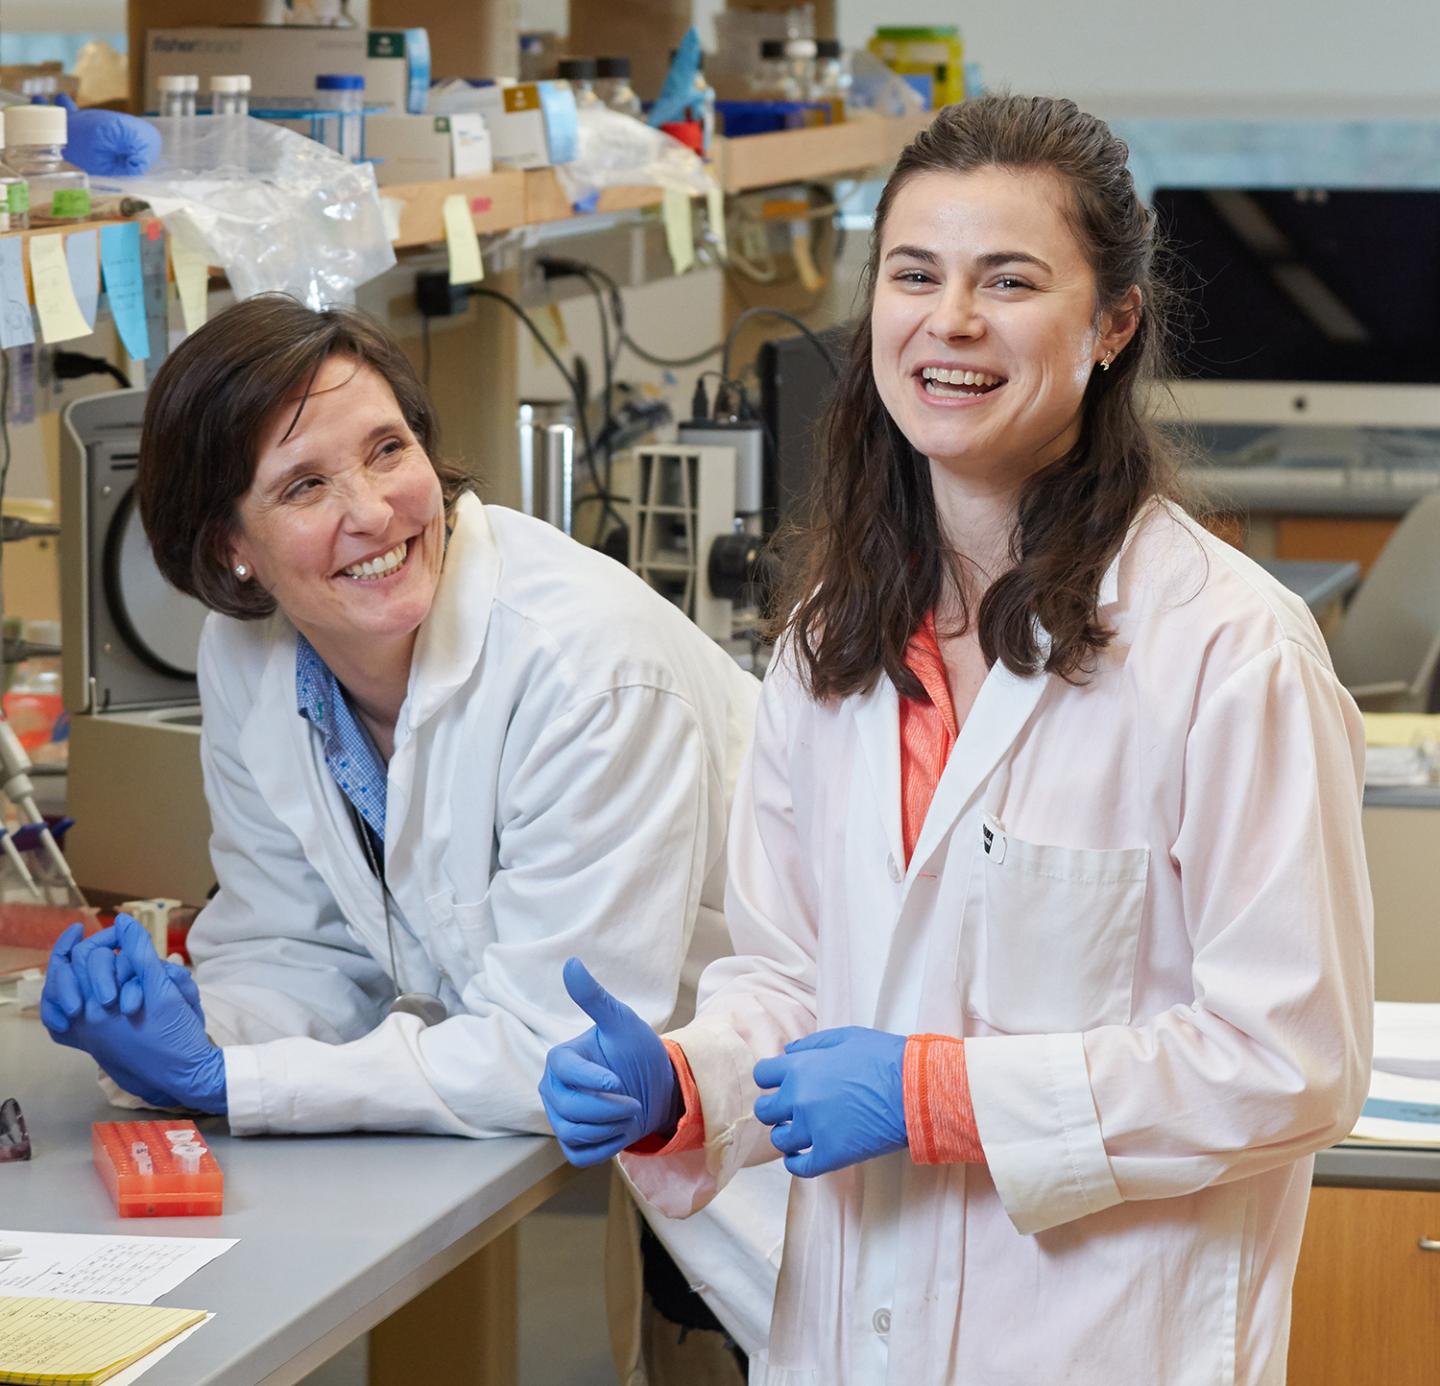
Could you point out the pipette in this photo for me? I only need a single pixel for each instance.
(15, 768)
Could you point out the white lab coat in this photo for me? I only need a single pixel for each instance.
(560, 783)
(1162, 968)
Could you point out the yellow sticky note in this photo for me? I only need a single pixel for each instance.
(715, 211)
(192, 282)
(805, 266)
(679, 229)
(463, 245)
(60, 317)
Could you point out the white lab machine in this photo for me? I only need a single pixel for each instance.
(142, 826)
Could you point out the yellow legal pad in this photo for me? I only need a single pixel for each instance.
(76, 1341)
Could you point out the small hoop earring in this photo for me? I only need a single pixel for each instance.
(241, 571)
(1105, 364)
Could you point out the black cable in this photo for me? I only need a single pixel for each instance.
(673, 362)
(764, 312)
(582, 421)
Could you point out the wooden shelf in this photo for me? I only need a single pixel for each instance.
(788, 156)
(510, 198)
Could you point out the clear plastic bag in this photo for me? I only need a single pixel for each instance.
(616, 150)
(876, 90)
(276, 209)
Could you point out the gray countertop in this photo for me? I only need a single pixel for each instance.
(335, 1232)
(1379, 1167)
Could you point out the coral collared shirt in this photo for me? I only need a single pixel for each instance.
(939, 1116)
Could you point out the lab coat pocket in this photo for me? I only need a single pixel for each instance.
(462, 932)
(1050, 942)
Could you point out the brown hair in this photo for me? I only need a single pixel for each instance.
(863, 577)
(205, 415)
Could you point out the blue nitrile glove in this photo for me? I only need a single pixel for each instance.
(679, 89)
(160, 1051)
(840, 1099)
(107, 978)
(613, 1085)
(108, 144)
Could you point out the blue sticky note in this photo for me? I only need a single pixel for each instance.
(125, 285)
(84, 271)
(17, 325)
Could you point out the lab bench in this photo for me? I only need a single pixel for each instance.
(338, 1235)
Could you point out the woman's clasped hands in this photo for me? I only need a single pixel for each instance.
(138, 1016)
(834, 1098)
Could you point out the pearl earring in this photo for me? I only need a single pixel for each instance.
(241, 571)
(1105, 364)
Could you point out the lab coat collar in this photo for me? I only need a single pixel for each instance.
(1108, 593)
(448, 646)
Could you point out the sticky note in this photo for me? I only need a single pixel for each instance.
(82, 251)
(810, 276)
(124, 285)
(192, 282)
(679, 229)
(715, 213)
(463, 245)
(17, 326)
(154, 261)
(60, 317)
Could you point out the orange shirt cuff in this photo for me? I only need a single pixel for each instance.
(690, 1133)
(939, 1116)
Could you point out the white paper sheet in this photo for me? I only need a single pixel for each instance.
(1400, 1111)
(126, 1270)
(1407, 1039)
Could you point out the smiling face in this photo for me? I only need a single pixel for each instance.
(984, 331)
(344, 522)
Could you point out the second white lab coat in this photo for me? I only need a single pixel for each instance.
(1143, 900)
(560, 784)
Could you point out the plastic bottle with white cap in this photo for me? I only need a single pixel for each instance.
(34, 137)
(14, 193)
(230, 95)
(177, 93)
(344, 93)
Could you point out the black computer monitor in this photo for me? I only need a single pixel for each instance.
(796, 386)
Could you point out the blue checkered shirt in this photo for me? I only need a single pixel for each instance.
(350, 754)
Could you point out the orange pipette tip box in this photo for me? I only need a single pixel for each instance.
(168, 1190)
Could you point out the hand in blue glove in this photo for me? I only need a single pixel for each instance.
(840, 1099)
(159, 1051)
(109, 144)
(613, 1085)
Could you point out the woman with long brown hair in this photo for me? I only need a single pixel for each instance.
(1047, 888)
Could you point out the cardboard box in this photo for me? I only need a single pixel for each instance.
(284, 60)
(531, 124)
(468, 38)
(643, 30)
(424, 148)
(144, 15)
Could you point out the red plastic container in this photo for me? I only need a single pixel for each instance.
(166, 1192)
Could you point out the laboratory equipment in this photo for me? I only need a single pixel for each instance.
(800, 65)
(17, 787)
(832, 81)
(580, 73)
(342, 93)
(131, 644)
(14, 192)
(546, 431)
(157, 1169)
(935, 52)
(178, 93)
(612, 86)
(230, 94)
(58, 191)
(771, 80)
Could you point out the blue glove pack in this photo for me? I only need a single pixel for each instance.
(138, 1017)
(839, 1099)
(109, 144)
(613, 1085)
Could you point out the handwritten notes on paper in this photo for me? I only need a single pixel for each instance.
(56, 1340)
(125, 285)
(82, 254)
(60, 317)
(77, 1265)
(17, 325)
